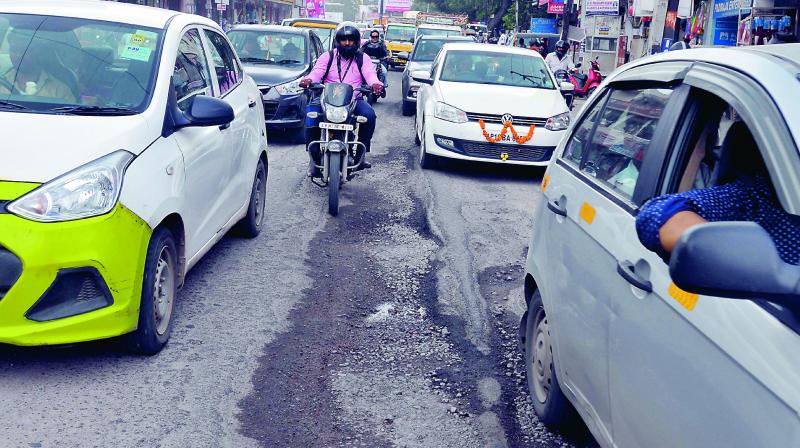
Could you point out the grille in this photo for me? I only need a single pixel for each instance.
(519, 121)
(3, 207)
(10, 270)
(515, 152)
(74, 291)
(270, 107)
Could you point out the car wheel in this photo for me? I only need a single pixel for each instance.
(417, 141)
(159, 289)
(408, 108)
(426, 161)
(250, 225)
(549, 401)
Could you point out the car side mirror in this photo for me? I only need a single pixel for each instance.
(411, 40)
(209, 111)
(422, 76)
(737, 260)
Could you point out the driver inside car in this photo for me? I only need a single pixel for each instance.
(36, 70)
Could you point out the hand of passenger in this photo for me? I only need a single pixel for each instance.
(377, 88)
(305, 83)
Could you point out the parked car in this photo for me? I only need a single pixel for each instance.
(425, 50)
(277, 58)
(427, 29)
(494, 104)
(324, 28)
(698, 348)
(135, 148)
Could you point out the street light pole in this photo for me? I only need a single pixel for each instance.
(516, 16)
(565, 18)
(380, 13)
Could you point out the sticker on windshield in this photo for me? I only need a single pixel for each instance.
(140, 46)
(136, 53)
(137, 39)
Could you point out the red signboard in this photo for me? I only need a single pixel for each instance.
(622, 49)
(555, 7)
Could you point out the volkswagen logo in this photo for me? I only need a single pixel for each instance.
(507, 119)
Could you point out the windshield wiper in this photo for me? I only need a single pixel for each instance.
(530, 78)
(256, 60)
(9, 105)
(288, 61)
(94, 110)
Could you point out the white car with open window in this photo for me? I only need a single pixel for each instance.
(489, 103)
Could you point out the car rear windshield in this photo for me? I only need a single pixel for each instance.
(269, 47)
(504, 69)
(74, 65)
(427, 50)
(400, 33)
(437, 32)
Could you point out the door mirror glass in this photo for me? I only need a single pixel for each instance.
(736, 260)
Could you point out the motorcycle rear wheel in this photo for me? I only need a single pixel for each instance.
(334, 182)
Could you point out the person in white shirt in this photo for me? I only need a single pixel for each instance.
(559, 59)
(502, 39)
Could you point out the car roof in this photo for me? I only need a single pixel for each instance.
(499, 49)
(447, 38)
(144, 16)
(273, 28)
(312, 21)
(438, 26)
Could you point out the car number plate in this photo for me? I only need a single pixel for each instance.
(507, 138)
(336, 126)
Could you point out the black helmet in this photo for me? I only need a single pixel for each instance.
(538, 42)
(562, 45)
(347, 30)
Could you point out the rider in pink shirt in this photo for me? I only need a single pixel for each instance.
(347, 64)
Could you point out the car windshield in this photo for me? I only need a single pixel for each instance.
(427, 49)
(437, 32)
(269, 47)
(74, 65)
(400, 33)
(504, 69)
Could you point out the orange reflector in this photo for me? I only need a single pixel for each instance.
(545, 181)
(687, 299)
(587, 213)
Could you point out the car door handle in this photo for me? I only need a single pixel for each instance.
(557, 208)
(628, 271)
(251, 103)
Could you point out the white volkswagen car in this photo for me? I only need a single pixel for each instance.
(489, 103)
(132, 142)
(697, 347)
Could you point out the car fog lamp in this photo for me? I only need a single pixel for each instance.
(445, 142)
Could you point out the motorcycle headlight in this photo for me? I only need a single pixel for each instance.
(336, 114)
(290, 88)
(558, 123)
(447, 112)
(90, 190)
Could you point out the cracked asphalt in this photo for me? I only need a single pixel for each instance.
(393, 324)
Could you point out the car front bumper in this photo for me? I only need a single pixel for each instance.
(285, 111)
(80, 280)
(466, 141)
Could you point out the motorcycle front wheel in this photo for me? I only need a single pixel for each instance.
(334, 181)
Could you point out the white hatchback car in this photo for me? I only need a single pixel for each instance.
(489, 103)
(700, 350)
(132, 142)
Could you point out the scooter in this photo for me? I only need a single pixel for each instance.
(585, 84)
(340, 148)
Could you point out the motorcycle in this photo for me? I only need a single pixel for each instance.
(379, 69)
(338, 143)
(585, 85)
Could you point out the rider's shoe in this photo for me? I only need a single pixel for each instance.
(364, 165)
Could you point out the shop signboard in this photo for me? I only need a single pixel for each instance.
(622, 49)
(555, 7)
(729, 8)
(221, 7)
(542, 25)
(602, 7)
(315, 8)
(397, 5)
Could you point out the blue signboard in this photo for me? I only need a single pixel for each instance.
(729, 8)
(725, 33)
(542, 25)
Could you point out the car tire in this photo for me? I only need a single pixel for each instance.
(408, 108)
(417, 141)
(159, 290)
(549, 402)
(426, 161)
(250, 225)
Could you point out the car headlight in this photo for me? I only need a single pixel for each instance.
(336, 114)
(558, 123)
(447, 112)
(289, 88)
(90, 190)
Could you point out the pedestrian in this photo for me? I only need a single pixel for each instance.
(522, 42)
(682, 45)
(502, 39)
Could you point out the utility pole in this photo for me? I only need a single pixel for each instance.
(565, 19)
(380, 13)
(516, 16)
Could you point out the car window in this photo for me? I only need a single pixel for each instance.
(191, 76)
(49, 62)
(268, 47)
(487, 67)
(578, 143)
(622, 137)
(226, 68)
(427, 49)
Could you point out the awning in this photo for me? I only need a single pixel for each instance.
(576, 34)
